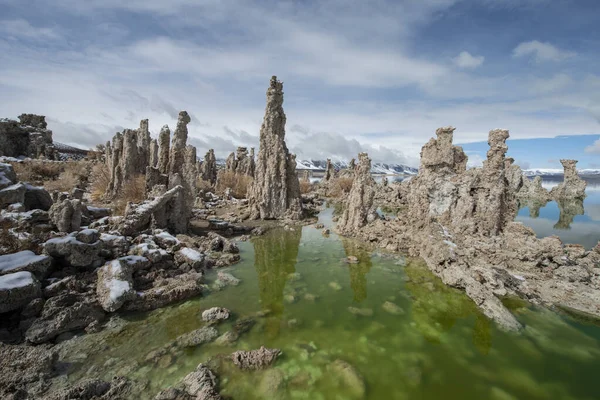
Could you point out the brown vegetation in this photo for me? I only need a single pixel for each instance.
(134, 191)
(203, 185)
(37, 171)
(238, 183)
(99, 181)
(340, 186)
(305, 186)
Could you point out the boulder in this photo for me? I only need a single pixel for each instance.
(197, 337)
(37, 198)
(167, 291)
(115, 284)
(72, 252)
(13, 194)
(8, 177)
(25, 260)
(192, 257)
(66, 215)
(64, 313)
(17, 290)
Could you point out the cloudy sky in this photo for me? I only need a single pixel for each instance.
(379, 76)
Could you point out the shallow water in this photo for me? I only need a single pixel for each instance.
(572, 221)
(435, 345)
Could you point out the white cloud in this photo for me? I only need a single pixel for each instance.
(593, 148)
(22, 28)
(541, 51)
(553, 84)
(466, 60)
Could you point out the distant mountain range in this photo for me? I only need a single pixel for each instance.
(376, 168)
(558, 171)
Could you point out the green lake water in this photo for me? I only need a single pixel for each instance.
(435, 344)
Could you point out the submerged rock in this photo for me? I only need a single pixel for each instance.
(197, 337)
(350, 379)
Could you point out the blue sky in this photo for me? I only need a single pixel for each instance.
(377, 76)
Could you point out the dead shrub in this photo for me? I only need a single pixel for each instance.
(238, 183)
(305, 186)
(134, 191)
(203, 185)
(99, 181)
(340, 186)
(37, 172)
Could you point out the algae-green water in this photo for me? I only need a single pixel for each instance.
(405, 334)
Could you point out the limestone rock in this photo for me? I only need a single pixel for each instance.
(215, 314)
(358, 207)
(170, 290)
(255, 359)
(189, 256)
(202, 384)
(115, 284)
(329, 171)
(275, 192)
(151, 214)
(208, 168)
(72, 252)
(8, 177)
(197, 337)
(572, 187)
(28, 137)
(66, 215)
(17, 289)
(63, 313)
(25, 260)
(164, 138)
(12, 194)
(349, 378)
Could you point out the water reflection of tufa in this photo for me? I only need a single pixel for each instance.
(569, 209)
(533, 205)
(275, 256)
(358, 271)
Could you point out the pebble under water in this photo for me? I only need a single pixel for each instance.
(383, 328)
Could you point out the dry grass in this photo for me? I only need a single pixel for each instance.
(99, 181)
(75, 174)
(203, 185)
(134, 191)
(238, 183)
(36, 171)
(340, 186)
(305, 186)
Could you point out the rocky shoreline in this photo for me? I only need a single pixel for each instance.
(84, 264)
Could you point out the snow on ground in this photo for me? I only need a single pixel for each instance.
(16, 260)
(16, 280)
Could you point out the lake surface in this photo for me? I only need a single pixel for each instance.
(572, 221)
(408, 335)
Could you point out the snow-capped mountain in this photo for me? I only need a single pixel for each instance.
(558, 171)
(376, 168)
